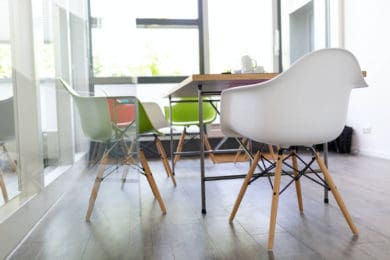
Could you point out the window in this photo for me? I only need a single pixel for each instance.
(238, 29)
(168, 52)
(155, 40)
(132, 39)
(167, 9)
(303, 28)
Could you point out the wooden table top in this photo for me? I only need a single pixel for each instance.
(215, 82)
(218, 82)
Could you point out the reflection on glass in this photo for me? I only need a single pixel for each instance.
(8, 168)
(241, 29)
(8, 149)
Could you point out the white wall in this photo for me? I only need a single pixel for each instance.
(367, 36)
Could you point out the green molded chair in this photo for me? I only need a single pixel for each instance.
(187, 114)
(97, 125)
(150, 119)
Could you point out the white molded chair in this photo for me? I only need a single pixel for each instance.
(303, 106)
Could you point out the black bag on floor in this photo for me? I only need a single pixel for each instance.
(343, 143)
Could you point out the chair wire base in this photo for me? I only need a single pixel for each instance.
(294, 173)
(285, 154)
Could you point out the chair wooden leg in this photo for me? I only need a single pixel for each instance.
(95, 153)
(11, 162)
(151, 181)
(208, 147)
(131, 149)
(163, 155)
(164, 160)
(272, 153)
(244, 186)
(2, 187)
(125, 173)
(244, 140)
(125, 149)
(248, 147)
(180, 146)
(128, 160)
(96, 186)
(275, 202)
(336, 194)
(297, 182)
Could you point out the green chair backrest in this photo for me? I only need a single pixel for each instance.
(187, 113)
(94, 115)
(129, 109)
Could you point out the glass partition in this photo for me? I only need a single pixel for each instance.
(9, 179)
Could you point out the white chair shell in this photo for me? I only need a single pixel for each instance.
(305, 105)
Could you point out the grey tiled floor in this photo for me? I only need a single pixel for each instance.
(127, 222)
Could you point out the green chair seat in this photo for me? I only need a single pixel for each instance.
(187, 114)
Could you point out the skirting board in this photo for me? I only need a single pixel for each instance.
(374, 153)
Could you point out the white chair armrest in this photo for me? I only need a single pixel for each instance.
(155, 115)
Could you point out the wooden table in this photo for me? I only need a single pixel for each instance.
(213, 85)
(209, 85)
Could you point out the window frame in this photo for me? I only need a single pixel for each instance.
(162, 23)
(200, 23)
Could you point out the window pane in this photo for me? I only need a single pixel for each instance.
(303, 28)
(171, 9)
(155, 52)
(241, 29)
(121, 49)
(168, 52)
(113, 38)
